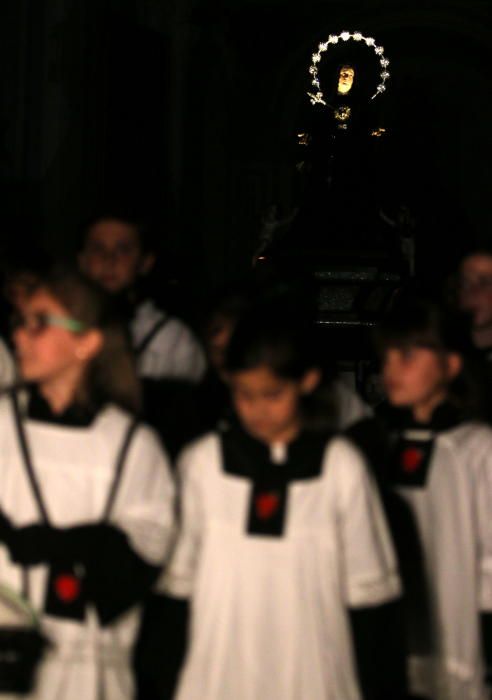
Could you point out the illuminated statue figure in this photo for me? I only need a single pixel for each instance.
(342, 114)
(347, 196)
(341, 153)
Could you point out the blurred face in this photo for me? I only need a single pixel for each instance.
(267, 405)
(45, 349)
(476, 289)
(418, 378)
(112, 255)
(345, 79)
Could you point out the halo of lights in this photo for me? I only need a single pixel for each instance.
(318, 97)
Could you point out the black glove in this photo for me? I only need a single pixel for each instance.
(5, 529)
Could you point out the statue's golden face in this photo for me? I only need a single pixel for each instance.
(345, 80)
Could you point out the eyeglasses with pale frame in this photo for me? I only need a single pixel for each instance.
(36, 323)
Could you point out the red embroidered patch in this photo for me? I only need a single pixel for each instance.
(411, 459)
(67, 587)
(266, 504)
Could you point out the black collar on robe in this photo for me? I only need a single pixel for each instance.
(413, 443)
(245, 457)
(444, 417)
(75, 415)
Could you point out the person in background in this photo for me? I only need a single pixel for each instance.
(283, 549)
(224, 312)
(86, 495)
(117, 253)
(475, 296)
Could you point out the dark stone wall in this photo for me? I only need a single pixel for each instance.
(191, 107)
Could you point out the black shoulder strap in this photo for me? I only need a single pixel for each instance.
(36, 489)
(147, 339)
(119, 469)
(21, 435)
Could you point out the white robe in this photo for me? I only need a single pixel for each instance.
(269, 615)
(75, 466)
(453, 515)
(173, 353)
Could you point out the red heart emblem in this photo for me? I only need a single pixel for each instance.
(67, 587)
(266, 504)
(411, 459)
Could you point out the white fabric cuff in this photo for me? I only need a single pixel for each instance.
(373, 590)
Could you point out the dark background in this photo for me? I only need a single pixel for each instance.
(191, 106)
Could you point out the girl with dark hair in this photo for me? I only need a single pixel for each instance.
(435, 466)
(85, 491)
(333, 406)
(282, 534)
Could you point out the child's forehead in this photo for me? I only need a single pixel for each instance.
(259, 376)
(415, 347)
(112, 231)
(477, 263)
(42, 299)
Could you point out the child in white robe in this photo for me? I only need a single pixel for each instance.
(435, 467)
(86, 511)
(118, 254)
(282, 534)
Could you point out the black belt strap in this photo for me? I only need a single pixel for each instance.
(26, 457)
(147, 339)
(119, 469)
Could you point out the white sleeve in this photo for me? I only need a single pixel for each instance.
(144, 506)
(370, 575)
(179, 577)
(484, 522)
